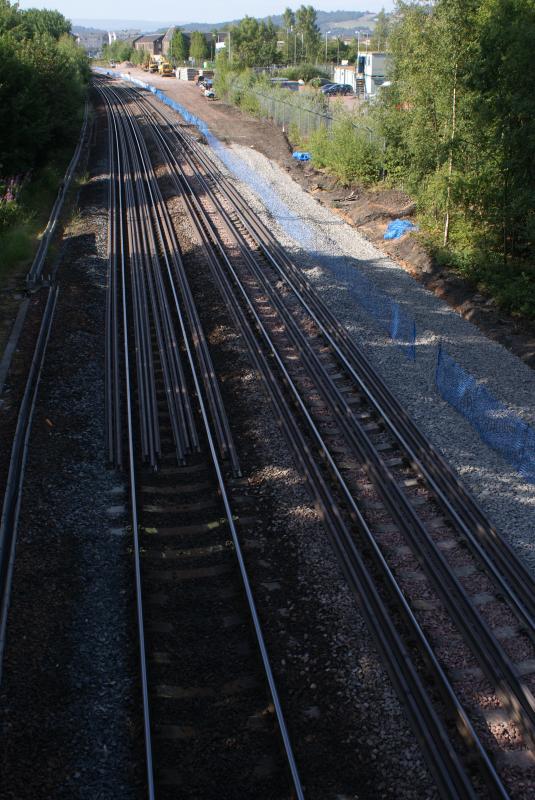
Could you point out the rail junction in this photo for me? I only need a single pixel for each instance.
(450, 607)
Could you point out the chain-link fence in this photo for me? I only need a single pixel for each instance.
(306, 112)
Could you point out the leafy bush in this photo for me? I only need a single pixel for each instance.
(349, 152)
(305, 72)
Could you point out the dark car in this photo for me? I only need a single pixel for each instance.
(325, 88)
(337, 88)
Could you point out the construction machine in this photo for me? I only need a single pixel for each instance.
(165, 68)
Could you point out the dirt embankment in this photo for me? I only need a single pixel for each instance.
(369, 211)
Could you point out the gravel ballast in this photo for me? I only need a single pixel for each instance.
(502, 493)
(70, 700)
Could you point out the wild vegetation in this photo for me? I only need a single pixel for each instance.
(454, 128)
(459, 125)
(43, 82)
(43, 79)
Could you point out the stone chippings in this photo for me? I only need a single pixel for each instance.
(504, 496)
(69, 704)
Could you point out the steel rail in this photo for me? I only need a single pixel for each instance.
(121, 166)
(245, 579)
(402, 676)
(171, 255)
(112, 343)
(174, 381)
(518, 586)
(491, 771)
(488, 651)
(17, 466)
(456, 600)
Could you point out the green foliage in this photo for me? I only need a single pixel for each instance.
(139, 57)
(22, 221)
(304, 72)
(348, 151)
(459, 125)
(43, 81)
(118, 51)
(307, 28)
(42, 21)
(179, 47)
(254, 43)
(197, 47)
(381, 31)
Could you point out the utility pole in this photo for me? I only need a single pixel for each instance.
(326, 34)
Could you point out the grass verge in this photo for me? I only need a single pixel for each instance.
(23, 221)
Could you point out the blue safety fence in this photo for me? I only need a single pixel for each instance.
(498, 426)
(387, 312)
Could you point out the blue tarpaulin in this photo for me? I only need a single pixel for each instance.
(301, 156)
(398, 227)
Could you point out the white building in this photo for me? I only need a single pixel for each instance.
(348, 74)
(122, 36)
(372, 67)
(366, 76)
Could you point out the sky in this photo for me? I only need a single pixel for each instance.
(206, 11)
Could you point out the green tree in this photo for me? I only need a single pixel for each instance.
(502, 77)
(307, 28)
(118, 51)
(43, 82)
(288, 24)
(381, 31)
(179, 47)
(426, 115)
(197, 47)
(52, 23)
(10, 17)
(254, 43)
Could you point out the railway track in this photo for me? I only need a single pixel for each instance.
(9, 518)
(450, 606)
(423, 522)
(213, 720)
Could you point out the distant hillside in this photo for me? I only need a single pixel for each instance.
(342, 22)
(334, 21)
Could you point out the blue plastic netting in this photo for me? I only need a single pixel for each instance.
(498, 426)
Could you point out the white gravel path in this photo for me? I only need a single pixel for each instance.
(326, 239)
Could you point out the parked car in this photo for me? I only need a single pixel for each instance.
(325, 88)
(337, 88)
